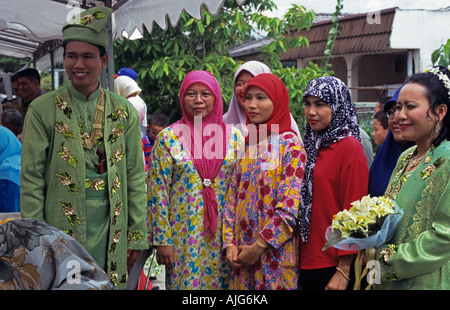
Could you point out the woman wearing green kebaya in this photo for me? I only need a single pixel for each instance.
(417, 257)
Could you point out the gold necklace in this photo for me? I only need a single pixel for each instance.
(96, 131)
(413, 163)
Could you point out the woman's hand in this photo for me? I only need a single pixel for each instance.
(251, 254)
(231, 257)
(165, 255)
(339, 281)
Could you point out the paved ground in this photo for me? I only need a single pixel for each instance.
(160, 280)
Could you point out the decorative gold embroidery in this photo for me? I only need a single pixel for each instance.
(115, 186)
(62, 105)
(69, 211)
(398, 180)
(60, 102)
(116, 132)
(387, 252)
(87, 19)
(113, 275)
(61, 127)
(420, 213)
(117, 155)
(85, 139)
(425, 173)
(96, 185)
(66, 154)
(115, 239)
(64, 129)
(117, 210)
(67, 181)
(90, 18)
(118, 113)
(135, 235)
(429, 170)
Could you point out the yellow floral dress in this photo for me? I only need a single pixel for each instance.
(175, 206)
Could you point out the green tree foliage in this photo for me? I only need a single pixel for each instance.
(441, 56)
(11, 64)
(164, 57)
(333, 34)
(296, 79)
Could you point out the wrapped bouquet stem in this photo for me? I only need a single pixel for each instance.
(368, 224)
(360, 272)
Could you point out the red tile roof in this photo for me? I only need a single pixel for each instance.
(357, 36)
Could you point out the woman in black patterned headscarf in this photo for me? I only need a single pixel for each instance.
(336, 174)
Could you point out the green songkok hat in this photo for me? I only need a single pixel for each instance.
(89, 26)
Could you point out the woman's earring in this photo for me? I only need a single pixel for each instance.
(437, 128)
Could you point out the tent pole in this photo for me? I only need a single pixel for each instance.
(110, 52)
(52, 65)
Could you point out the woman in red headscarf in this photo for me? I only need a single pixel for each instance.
(192, 163)
(261, 207)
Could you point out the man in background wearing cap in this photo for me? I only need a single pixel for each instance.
(82, 168)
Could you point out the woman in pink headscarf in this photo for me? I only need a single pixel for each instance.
(191, 166)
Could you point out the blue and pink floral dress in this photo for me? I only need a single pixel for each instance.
(176, 214)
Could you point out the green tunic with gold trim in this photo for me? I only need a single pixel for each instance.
(65, 184)
(418, 255)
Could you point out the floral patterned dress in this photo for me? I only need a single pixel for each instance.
(263, 199)
(176, 214)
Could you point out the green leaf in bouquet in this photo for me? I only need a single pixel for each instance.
(334, 237)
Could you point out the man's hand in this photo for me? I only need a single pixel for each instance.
(132, 257)
(165, 255)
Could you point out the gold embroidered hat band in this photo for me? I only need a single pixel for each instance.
(89, 26)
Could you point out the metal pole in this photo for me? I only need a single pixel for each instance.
(110, 52)
(52, 65)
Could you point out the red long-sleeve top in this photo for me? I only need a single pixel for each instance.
(341, 176)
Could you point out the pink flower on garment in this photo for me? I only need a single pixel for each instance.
(190, 199)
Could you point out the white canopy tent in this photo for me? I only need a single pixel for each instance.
(138, 13)
(32, 28)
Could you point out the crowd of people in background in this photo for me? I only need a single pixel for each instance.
(244, 206)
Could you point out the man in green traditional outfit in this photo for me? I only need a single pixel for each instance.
(82, 164)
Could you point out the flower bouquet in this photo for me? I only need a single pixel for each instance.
(368, 224)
